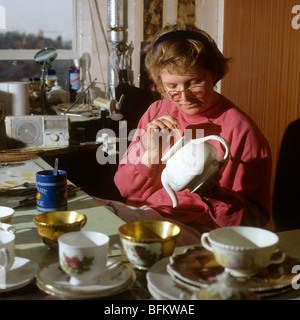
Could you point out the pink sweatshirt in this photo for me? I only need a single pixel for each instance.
(243, 194)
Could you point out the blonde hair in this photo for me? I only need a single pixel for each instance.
(174, 54)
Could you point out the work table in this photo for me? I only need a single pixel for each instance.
(29, 245)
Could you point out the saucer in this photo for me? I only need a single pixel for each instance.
(160, 284)
(156, 295)
(20, 274)
(196, 267)
(52, 280)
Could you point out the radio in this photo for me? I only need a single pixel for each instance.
(37, 131)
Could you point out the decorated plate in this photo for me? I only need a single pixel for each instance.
(196, 267)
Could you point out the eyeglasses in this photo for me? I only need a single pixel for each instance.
(192, 92)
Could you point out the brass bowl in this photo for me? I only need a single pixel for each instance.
(51, 225)
(146, 242)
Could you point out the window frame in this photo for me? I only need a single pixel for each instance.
(28, 54)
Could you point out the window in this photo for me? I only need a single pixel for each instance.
(30, 26)
(2, 18)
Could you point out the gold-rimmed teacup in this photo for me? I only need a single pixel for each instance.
(51, 225)
(146, 242)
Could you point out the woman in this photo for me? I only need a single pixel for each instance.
(186, 65)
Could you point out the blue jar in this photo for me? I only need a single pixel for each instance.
(52, 191)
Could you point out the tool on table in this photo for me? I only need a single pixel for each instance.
(26, 184)
(31, 199)
(11, 165)
(80, 97)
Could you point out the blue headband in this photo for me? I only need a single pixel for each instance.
(182, 34)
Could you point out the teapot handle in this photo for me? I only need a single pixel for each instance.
(221, 140)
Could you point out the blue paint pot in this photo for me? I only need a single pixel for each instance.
(52, 191)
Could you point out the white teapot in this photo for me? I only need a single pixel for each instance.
(192, 164)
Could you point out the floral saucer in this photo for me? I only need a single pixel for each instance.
(20, 274)
(53, 280)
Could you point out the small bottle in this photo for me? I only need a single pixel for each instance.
(74, 79)
(57, 95)
(50, 78)
(34, 89)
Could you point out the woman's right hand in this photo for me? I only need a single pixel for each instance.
(158, 139)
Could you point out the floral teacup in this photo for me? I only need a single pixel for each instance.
(83, 256)
(146, 242)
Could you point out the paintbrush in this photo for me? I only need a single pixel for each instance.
(175, 127)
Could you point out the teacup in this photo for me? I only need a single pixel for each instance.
(7, 249)
(83, 256)
(243, 251)
(6, 214)
(146, 242)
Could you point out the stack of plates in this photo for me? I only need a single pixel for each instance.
(52, 280)
(160, 284)
(182, 274)
(194, 269)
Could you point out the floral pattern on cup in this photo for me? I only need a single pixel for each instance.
(74, 264)
(234, 261)
(142, 255)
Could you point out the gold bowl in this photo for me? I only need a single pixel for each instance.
(146, 242)
(51, 225)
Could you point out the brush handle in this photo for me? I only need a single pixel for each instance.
(176, 128)
(56, 167)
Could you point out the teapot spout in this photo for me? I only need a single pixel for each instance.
(171, 192)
